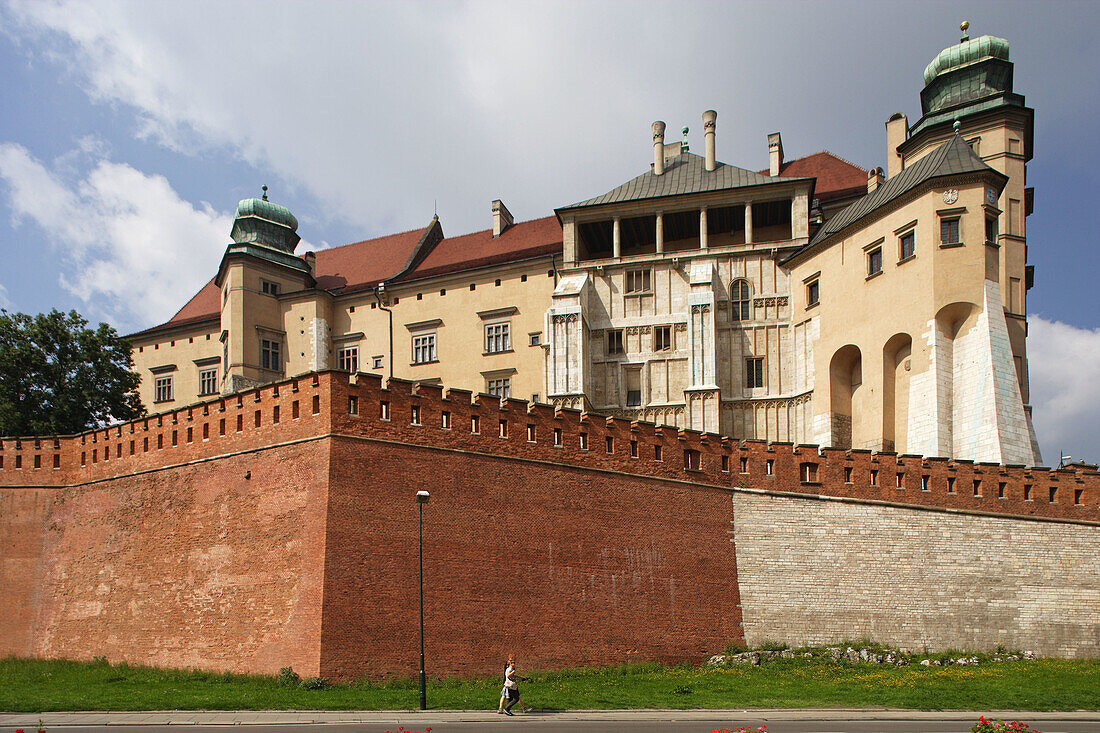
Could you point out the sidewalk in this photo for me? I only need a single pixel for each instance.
(417, 717)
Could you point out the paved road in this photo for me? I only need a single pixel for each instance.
(638, 721)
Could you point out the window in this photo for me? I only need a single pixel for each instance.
(423, 348)
(769, 467)
(536, 338)
(809, 473)
(949, 231)
(557, 437)
(991, 230)
(754, 372)
(874, 261)
(874, 477)
(633, 381)
(609, 444)
(353, 405)
(583, 441)
(950, 484)
(813, 293)
(1001, 490)
(378, 362)
(498, 338)
(269, 288)
(637, 281)
(475, 424)
(347, 358)
(925, 482)
(445, 420)
(739, 300)
(847, 474)
(725, 464)
(414, 415)
(907, 244)
(501, 388)
(691, 460)
(208, 381)
(530, 433)
(615, 341)
(1027, 492)
(633, 449)
(270, 356)
(657, 453)
(162, 389)
(662, 338)
(977, 487)
(744, 465)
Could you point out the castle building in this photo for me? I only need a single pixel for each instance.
(812, 302)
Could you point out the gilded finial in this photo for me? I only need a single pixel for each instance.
(964, 27)
(264, 187)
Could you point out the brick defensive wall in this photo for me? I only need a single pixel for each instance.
(277, 527)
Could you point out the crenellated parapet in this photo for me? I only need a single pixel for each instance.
(360, 407)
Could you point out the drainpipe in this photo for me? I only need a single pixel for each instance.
(379, 290)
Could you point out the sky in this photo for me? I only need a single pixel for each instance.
(129, 131)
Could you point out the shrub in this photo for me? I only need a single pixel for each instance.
(314, 683)
(287, 676)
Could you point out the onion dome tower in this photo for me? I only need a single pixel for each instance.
(266, 230)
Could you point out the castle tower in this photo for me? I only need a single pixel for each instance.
(971, 83)
(258, 270)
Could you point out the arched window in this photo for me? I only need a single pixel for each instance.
(739, 299)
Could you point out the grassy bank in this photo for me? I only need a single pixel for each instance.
(41, 686)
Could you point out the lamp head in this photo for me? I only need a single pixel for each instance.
(422, 497)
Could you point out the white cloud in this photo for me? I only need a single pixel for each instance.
(127, 245)
(5, 301)
(1064, 366)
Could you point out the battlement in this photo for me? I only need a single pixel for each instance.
(361, 407)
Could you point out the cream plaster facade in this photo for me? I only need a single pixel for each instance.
(698, 294)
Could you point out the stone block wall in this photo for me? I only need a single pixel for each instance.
(817, 572)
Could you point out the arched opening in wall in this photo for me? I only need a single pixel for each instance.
(845, 378)
(953, 323)
(896, 367)
(740, 300)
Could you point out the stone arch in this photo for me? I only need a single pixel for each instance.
(845, 378)
(953, 323)
(896, 367)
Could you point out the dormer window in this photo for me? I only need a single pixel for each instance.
(269, 288)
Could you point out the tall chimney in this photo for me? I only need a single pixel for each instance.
(775, 153)
(658, 147)
(897, 129)
(502, 218)
(710, 120)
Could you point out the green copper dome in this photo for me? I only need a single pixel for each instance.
(261, 222)
(965, 53)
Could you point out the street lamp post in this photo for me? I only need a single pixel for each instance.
(421, 500)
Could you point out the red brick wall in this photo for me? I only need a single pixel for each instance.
(559, 536)
(562, 566)
(193, 566)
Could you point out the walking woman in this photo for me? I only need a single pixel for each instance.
(510, 692)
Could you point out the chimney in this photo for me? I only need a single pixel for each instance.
(775, 153)
(897, 130)
(875, 178)
(311, 261)
(658, 147)
(710, 120)
(502, 218)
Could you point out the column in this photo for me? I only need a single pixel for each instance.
(616, 238)
(703, 244)
(748, 223)
(660, 233)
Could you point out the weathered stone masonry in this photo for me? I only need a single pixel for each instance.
(277, 527)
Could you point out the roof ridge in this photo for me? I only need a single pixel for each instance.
(372, 239)
(510, 227)
(829, 152)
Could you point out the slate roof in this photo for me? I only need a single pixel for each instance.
(478, 249)
(952, 158)
(685, 173)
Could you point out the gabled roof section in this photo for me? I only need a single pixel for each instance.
(685, 173)
(478, 249)
(409, 255)
(836, 177)
(954, 157)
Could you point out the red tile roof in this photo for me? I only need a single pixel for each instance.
(836, 177)
(517, 242)
(360, 265)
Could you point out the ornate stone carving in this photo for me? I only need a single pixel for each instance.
(681, 326)
(700, 308)
(778, 300)
(635, 330)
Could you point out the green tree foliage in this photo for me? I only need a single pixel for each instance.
(58, 376)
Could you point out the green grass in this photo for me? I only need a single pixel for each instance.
(42, 686)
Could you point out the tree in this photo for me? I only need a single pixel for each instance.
(58, 376)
